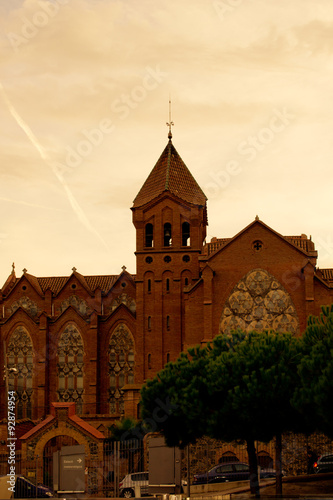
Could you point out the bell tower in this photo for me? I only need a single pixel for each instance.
(170, 217)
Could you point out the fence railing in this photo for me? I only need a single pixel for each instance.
(124, 458)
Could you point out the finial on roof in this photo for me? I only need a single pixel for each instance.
(73, 269)
(13, 268)
(170, 123)
(24, 270)
(257, 217)
(124, 268)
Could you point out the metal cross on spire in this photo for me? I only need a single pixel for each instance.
(170, 123)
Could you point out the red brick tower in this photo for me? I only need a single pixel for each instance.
(170, 217)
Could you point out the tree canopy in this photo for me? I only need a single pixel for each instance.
(239, 387)
(314, 396)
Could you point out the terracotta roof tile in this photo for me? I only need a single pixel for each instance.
(54, 283)
(301, 242)
(216, 243)
(327, 275)
(170, 174)
(102, 282)
(87, 427)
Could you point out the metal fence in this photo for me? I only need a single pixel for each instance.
(206, 453)
(131, 457)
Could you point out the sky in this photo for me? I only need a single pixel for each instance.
(84, 100)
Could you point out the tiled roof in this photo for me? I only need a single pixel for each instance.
(55, 283)
(301, 242)
(102, 282)
(170, 174)
(326, 275)
(214, 245)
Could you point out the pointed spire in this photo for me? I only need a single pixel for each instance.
(170, 174)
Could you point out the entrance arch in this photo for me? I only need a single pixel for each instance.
(54, 444)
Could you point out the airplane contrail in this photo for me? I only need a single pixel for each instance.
(29, 133)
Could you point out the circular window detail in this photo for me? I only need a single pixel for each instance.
(123, 284)
(167, 258)
(24, 287)
(257, 246)
(186, 258)
(73, 286)
(149, 259)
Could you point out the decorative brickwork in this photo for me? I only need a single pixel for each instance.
(121, 366)
(94, 340)
(259, 302)
(20, 356)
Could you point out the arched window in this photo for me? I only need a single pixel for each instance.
(185, 234)
(149, 361)
(149, 285)
(149, 323)
(121, 366)
(149, 235)
(167, 235)
(168, 357)
(19, 371)
(167, 285)
(168, 322)
(70, 367)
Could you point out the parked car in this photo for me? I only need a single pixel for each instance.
(324, 463)
(23, 488)
(230, 471)
(128, 484)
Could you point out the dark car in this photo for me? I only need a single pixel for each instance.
(17, 486)
(25, 489)
(324, 463)
(230, 471)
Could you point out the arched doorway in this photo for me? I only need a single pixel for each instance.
(54, 444)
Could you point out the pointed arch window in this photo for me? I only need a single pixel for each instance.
(20, 371)
(149, 235)
(121, 366)
(167, 234)
(70, 367)
(186, 234)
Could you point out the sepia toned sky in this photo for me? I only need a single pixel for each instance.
(84, 92)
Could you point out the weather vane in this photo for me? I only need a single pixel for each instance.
(170, 123)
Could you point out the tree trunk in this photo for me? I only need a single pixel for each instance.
(254, 480)
(278, 463)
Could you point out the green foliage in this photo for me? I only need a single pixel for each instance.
(315, 394)
(125, 429)
(251, 380)
(239, 387)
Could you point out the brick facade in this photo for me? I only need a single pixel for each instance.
(94, 340)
